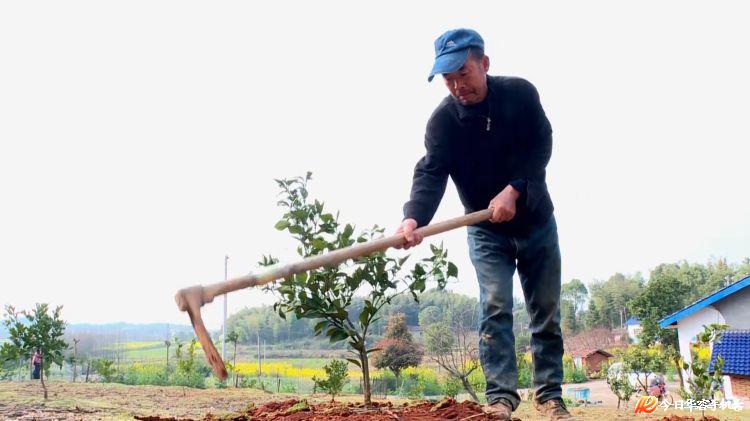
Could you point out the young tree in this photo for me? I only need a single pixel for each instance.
(703, 384)
(337, 373)
(619, 385)
(453, 346)
(233, 337)
(40, 331)
(642, 360)
(397, 350)
(167, 344)
(326, 294)
(74, 359)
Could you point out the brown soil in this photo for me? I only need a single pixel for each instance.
(298, 410)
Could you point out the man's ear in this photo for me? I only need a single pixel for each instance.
(486, 63)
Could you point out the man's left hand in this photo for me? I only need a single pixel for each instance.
(504, 205)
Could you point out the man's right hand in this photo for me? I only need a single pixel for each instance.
(407, 227)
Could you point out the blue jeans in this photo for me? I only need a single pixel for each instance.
(496, 257)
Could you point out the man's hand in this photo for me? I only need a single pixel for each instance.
(407, 227)
(504, 205)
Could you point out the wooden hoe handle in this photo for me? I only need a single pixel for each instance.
(193, 298)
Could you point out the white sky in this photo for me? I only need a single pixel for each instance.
(139, 139)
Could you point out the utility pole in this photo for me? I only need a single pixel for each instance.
(224, 324)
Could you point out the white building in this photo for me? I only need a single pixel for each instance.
(634, 329)
(731, 306)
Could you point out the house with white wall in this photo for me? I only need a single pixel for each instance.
(731, 306)
(633, 326)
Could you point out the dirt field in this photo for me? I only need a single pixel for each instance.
(79, 401)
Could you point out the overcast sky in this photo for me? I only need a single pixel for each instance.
(140, 139)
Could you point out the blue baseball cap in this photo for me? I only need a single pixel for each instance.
(452, 49)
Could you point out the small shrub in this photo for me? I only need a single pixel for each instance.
(524, 371)
(572, 374)
(337, 372)
(451, 387)
(413, 387)
(106, 369)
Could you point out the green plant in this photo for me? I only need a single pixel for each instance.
(40, 331)
(233, 337)
(189, 372)
(644, 361)
(337, 373)
(413, 387)
(619, 384)
(326, 294)
(524, 371)
(573, 374)
(451, 387)
(702, 384)
(106, 369)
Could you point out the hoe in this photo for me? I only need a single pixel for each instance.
(191, 299)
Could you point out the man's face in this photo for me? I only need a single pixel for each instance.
(469, 83)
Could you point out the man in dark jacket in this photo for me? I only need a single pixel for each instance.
(491, 136)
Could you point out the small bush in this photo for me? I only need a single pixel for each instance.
(572, 374)
(140, 374)
(413, 387)
(337, 372)
(452, 387)
(105, 369)
(524, 371)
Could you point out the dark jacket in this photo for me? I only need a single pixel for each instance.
(505, 140)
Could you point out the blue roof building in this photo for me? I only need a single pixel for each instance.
(731, 306)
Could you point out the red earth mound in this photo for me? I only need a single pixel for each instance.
(296, 410)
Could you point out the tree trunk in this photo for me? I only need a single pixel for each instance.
(469, 389)
(88, 368)
(679, 373)
(365, 378)
(234, 362)
(41, 377)
(75, 360)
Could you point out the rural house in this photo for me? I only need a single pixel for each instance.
(731, 306)
(590, 359)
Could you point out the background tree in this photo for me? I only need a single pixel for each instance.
(663, 295)
(397, 350)
(40, 330)
(573, 296)
(608, 304)
(452, 345)
(326, 294)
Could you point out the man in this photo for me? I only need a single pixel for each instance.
(491, 136)
(36, 361)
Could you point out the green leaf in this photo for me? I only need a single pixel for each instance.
(452, 270)
(355, 362)
(373, 350)
(339, 335)
(281, 225)
(363, 316)
(319, 327)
